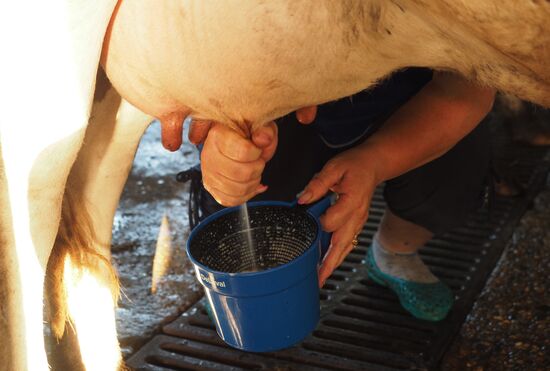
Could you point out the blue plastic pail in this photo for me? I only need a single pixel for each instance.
(266, 297)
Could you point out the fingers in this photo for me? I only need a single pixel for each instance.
(345, 219)
(228, 170)
(306, 115)
(350, 208)
(266, 138)
(231, 166)
(340, 246)
(320, 184)
(231, 144)
(232, 195)
(347, 176)
(232, 177)
(198, 131)
(264, 135)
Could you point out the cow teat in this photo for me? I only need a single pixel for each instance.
(172, 130)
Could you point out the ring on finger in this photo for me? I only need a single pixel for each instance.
(355, 241)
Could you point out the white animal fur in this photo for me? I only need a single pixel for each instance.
(48, 82)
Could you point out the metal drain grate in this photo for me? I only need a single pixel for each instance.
(362, 325)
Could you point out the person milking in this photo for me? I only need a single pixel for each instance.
(419, 131)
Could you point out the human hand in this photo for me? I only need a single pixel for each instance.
(353, 180)
(232, 165)
(232, 176)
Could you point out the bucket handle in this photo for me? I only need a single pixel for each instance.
(321, 206)
(316, 210)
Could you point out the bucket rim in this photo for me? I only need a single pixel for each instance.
(228, 210)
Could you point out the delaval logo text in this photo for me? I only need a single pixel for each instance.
(212, 281)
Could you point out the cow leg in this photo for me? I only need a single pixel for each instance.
(32, 190)
(94, 188)
(47, 89)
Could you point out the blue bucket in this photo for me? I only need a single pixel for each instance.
(263, 298)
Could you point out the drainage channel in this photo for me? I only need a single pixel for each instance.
(362, 325)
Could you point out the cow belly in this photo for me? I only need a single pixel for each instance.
(260, 60)
(250, 63)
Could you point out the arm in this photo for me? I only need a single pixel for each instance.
(428, 125)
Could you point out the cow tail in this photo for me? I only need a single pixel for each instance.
(75, 240)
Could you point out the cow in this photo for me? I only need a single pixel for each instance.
(65, 158)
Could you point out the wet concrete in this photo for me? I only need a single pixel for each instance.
(509, 325)
(508, 328)
(150, 193)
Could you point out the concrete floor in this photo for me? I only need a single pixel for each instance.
(508, 328)
(509, 325)
(150, 193)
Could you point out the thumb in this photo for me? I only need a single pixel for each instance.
(266, 138)
(198, 131)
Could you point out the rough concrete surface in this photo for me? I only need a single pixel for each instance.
(509, 325)
(150, 193)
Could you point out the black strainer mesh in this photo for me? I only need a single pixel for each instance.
(273, 235)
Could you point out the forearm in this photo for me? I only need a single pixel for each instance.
(427, 126)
